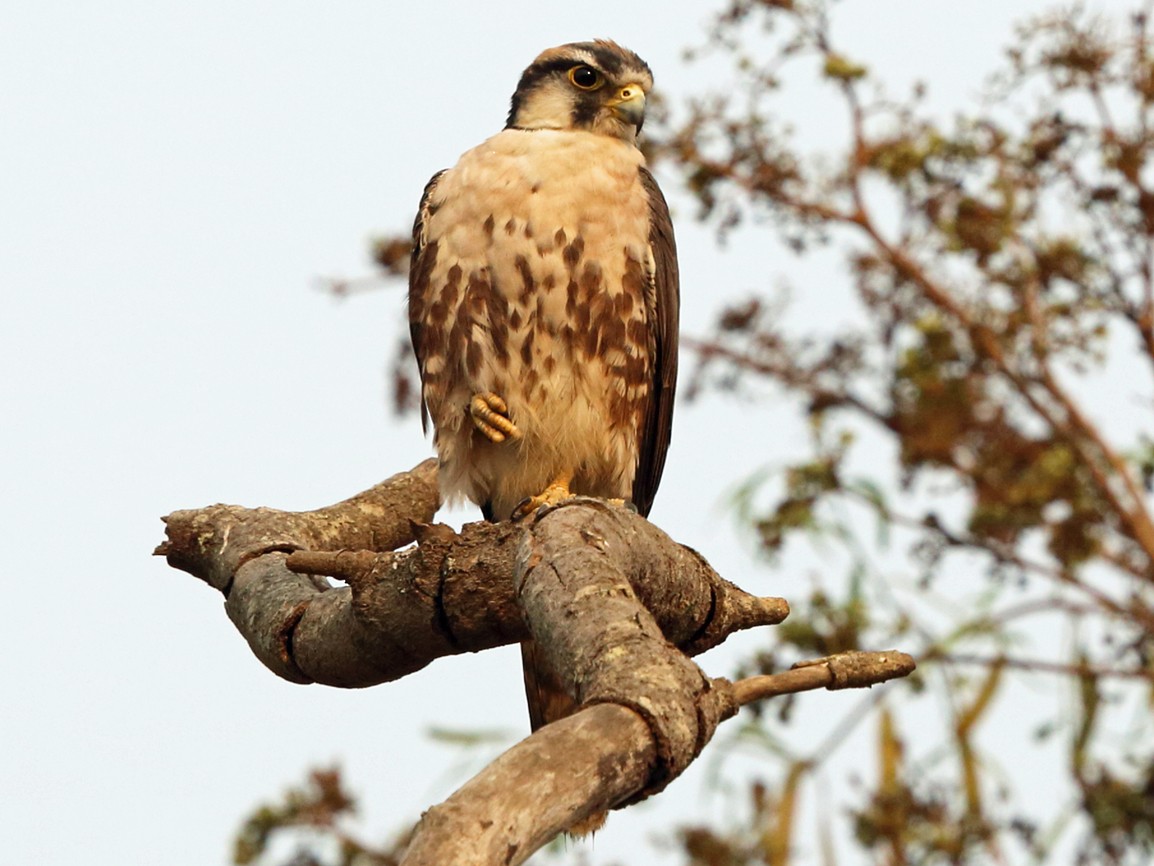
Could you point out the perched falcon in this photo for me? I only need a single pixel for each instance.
(543, 301)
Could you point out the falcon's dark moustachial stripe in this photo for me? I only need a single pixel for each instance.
(543, 303)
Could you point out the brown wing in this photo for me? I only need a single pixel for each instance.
(424, 256)
(663, 296)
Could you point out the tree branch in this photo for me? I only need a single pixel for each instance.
(608, 597)
(593, 760)
(452, 593)
(212, 543)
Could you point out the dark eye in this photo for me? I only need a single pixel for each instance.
(585, 77)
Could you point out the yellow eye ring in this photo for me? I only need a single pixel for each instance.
(586, 78)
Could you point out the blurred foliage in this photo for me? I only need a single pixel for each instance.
(309, 821)
(1002, 271)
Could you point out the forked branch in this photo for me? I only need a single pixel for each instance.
(616, 606)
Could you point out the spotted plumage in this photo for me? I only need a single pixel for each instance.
(543, 296)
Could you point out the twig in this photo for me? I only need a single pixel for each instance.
(1039, 665)
(850, 670)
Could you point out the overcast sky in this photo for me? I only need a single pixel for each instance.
(174, 178)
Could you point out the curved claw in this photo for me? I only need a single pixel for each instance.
(557, 491)
(490, 415)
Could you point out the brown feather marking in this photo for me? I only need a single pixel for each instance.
(612, 331)
(572, 252)
(528, 284)
(457, 342)
(591, 339)
(499, 340)
(452, 289)
(590, 281)
(419, 282)
(477, 295)
(624, 303)
(540, 320)
(476, 307)
(497, 314)
(473, 358)
(637, 333)
(571, 299)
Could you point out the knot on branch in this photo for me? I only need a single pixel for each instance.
(673, 726)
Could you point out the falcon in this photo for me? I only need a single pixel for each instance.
(543, 305)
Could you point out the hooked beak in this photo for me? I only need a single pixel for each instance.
(629, 104)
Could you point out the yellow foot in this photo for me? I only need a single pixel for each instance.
(490, 415)
(557, 491)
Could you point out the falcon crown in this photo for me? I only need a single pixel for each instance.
(594, 86)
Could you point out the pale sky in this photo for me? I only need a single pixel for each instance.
(174, 178)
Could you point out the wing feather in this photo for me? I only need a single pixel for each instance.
(664, 298)
(424, 256)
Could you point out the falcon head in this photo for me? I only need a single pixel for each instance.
(594, 86)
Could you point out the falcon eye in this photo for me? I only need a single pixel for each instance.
(585, 77)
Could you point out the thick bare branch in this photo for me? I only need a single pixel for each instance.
(576, 573)
(607, 596)
(562, 773)
(598, 758)
(452, 593)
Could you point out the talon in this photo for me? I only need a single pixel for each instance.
(557, 491)
(490, 415)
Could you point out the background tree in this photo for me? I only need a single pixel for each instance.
(979, 470)
(999, 362)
